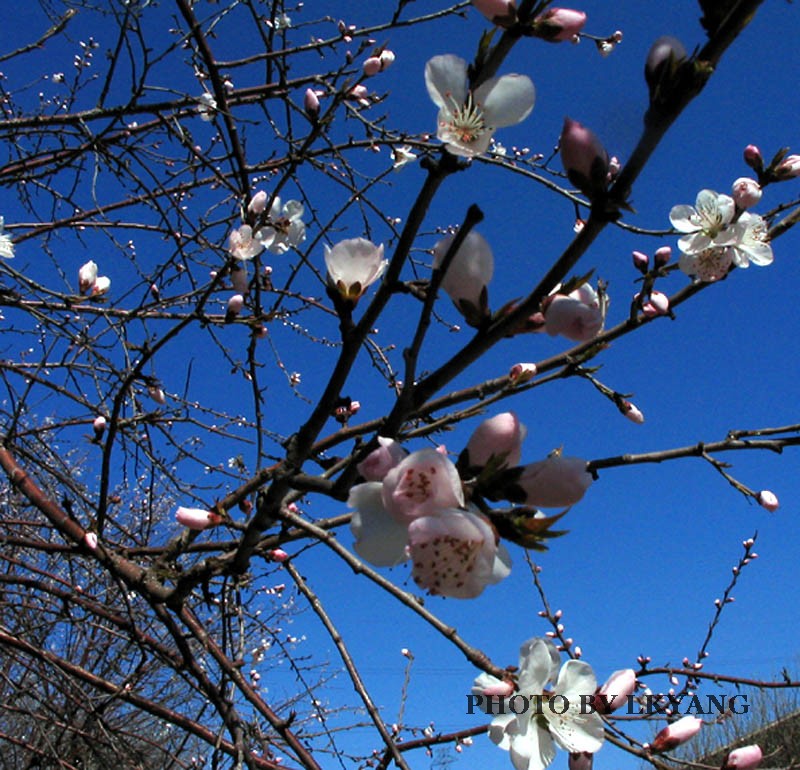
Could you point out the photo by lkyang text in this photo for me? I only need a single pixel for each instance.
(697, 705)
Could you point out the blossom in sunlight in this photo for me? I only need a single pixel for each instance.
(559, 24)
(709, 265)
(468, 274)
(555, 482)
(467, 120)
(380, 461)
(675, 734)
(207, 106)
(242, 244)
(6, 244)
(197, 518)
(422, 484)
(579, 316)
(497, 439)
(380, 539)
(285, 228)
(751, 244)
(744, 758)
(234, 307)
(401, 156)
(353, 265)
(706, 224)
(456, 553)
(87, 275)
(531, 737)
(258, 203)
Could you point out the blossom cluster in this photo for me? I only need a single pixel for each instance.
(282, 228)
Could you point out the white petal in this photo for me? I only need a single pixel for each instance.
(538, 664)
(293, 210)
(533, 751)
(576, 678)
(507, 100)
(682, 220)
(379, 538)
(446, 80)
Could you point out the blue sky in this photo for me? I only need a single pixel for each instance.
(650, 547)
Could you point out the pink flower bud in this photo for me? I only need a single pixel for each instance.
(752, 157)
(90, 539)
(500, 437)
(584, 158)
(556, 482)
(235, 305)
(664, 55)
(578, 316)
(520, 373)
(258, 203)
(558, 24)
(614, 693)
(745, 758)
(788, 168)
(632, 412)
(380, 461)
(580, 760)
(101, 285)
(657, 304)
(641, 262)
(746, 192)
(500, 12)
(87, 275)
(157, 394)
(500, 688)
(197, 518)
(99, 426)
(662, 256)
(387, 58)
(155, 292)
(278, 554)
(361, 94)
(372, 66)
(468, 274)
(768, 500)
(311, 103)
(677, 733)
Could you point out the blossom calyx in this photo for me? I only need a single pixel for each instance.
(584, 158)
(675, 734)
(467, 276)
(556, 25)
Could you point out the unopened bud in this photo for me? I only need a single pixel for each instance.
(278, 554)
(744, 758)
(768, 500)
(556, 25)
(662, 256)
(632, 412)
(520, 373)
(157, 394)
(99, 426)
(788, 168)
(665, 55)
(235, 305)
(584, 157)
(500, 12)
(311, 103)
(641, 262)
(90, 539)
(675, 734)
(752, 157)
(258, 203)
(746, 192)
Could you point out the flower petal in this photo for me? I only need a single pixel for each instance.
(446, 80)
(538, 665)
(379, 538)
(507, 100)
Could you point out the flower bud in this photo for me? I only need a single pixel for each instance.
(558, 24)
(677, 733)
(662, 256)
(99, 426)
(580, 760)
(258, 203)
(311, 103)
(500, 12)
(235, 305)
(101, 285)
(556, 482)
(614, 693)
(87, 275)
(656, 304)
(499, 438)
(746, 192)
(584, 158)
(278, 554)
(380, 461)
(641, 262)
(788, 168)
(520, 373)
(353, 265)
(744, 758)
(632, 412)
(468, 274)
(372, 66)
(387, 58)
(752, 157)
(197, 518)
(361, 94)
(157, 394)
(578, 316)
(665, 55)
(768, 500)
(90, 539)
(501, 688)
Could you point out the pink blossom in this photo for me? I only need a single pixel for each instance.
(768, 500)
(258, 203)
(578, 316)
(556, 482)
(90, 539)
(455, 553)
(584, 158)
(422, 484)
(234, 307)
(311, 103)
(746, 192)
(501, 12)
(501, 687)
(657, 303)
(662, 256)
(380, 461)
(615, 691)
(360, 93)
(744, 758)
(278, 554)
(752, 157)
(99, 426)
(789, 167)
(677, 733)
(559, 24)
(641, 262)
(500, 437)
(101, 285)
(197, 518)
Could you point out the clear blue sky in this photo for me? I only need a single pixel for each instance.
(650, 547)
